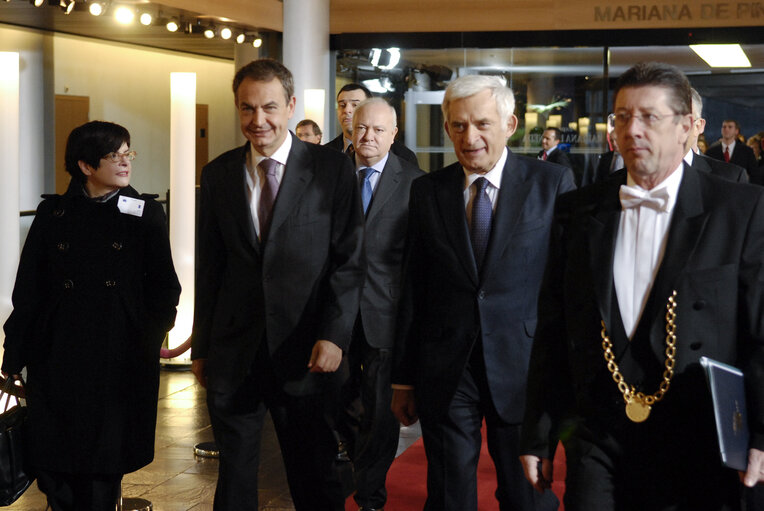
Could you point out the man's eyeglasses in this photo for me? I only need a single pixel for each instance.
(622, 119)
(117, 157)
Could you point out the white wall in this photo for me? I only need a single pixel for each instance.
(130, 85)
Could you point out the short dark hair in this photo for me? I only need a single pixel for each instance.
(311, 123)
(733, 121)
(91, 142)
(555, 130)
(661, 75)
(265, 70)
(354, 86)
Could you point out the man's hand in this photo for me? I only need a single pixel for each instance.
(755, 472)
(404, 406)
(540, 481)
(325, 357)
(198, 368)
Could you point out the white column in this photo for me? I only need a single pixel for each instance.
(306, 52)
(9, 176)
(183, 199)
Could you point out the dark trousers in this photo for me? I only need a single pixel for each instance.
(648, 466)
(80, 492)
(368, 424)
(452, 444)
(302, 425)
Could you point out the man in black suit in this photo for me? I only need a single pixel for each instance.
(647, 272)
(703, 163)
(385, 181)
(348, 99)
(550, 139)
(476, 246)
(280, 272)
(731, 150)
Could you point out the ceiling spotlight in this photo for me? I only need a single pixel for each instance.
(172, 25)
(124, 15)
(241, 38)
(146, 19)
(209, 33)
(258, 42)
(96, 8)
(37, 3)
(226, 33)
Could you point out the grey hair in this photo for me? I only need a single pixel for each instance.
(377, 101)
(697, 102)
(466, 86)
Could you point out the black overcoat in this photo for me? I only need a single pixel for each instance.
(95, 293)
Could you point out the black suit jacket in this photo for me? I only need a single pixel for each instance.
(728, 171)
(557, 156)
(398, 148)
(447, 305)
(742, 155)
(386, 221)
(714, 259)
(301, 285)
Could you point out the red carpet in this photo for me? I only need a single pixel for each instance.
(407, 480)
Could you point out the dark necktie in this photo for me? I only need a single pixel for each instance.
(268, 195)
(365, 181)
(727, 154)
(480, 230)
(350, 151)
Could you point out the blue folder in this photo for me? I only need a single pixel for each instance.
(728, 393)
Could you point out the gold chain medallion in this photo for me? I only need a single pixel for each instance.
(638, 405)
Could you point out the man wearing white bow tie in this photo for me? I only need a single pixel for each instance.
(649, 270)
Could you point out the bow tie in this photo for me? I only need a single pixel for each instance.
(632, 197)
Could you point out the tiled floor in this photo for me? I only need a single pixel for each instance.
(177, 480)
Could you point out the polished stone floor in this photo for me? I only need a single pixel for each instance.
(179, 481)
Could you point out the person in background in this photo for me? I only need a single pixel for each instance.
(348, 99)
(308, 131)
(95, 294)
(550, 140)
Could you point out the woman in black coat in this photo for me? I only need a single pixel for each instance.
(95, 294)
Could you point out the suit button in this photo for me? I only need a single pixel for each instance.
(696, 346)
(116, 245)
(109, 283)
(58, 213)
(63, 246)
(481, 294)
(68, 284)
(700, 304)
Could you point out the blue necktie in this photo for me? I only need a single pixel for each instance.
(480, 230)
(365, 182)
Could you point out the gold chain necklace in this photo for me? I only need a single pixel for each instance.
(638, 405)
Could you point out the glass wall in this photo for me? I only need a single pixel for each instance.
(569, 88)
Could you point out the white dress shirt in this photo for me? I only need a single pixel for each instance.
(639, 249)
(256, 177)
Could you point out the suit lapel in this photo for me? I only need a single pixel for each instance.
(235, 183)
(687, 224)
(450, 202)
(297, 174)
(515, 184)
(388, 183)
(602, 232)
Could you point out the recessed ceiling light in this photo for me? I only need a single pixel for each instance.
(225, 33)
(172, 25)
(258, 42)
(209, 33)
(124, 15)
(96, 8)
(722, 55)
(241, 38)
(146, 18)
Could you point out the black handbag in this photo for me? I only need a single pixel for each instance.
(14, 479)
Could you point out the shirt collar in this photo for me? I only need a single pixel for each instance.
(345, 143)
(671, 184)
(493, 176)
(280, 155)
(731, 145)
(379, 166)
(689, 157)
